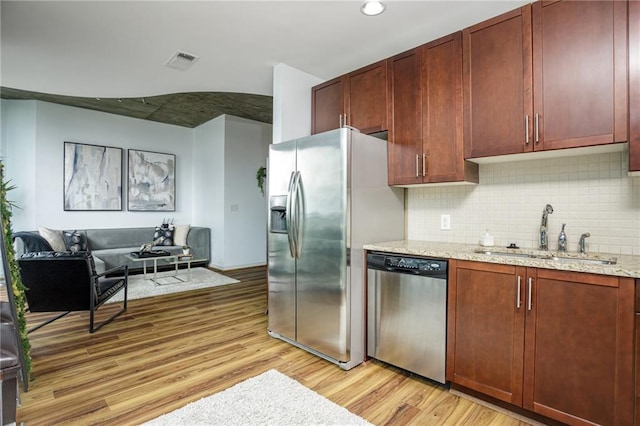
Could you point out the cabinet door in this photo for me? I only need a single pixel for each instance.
(327, 105)
(580, 72)
(405, 130)
(442, 128)
(366, 98)
(497, 85)
(634, 89)
(488, 329)
(579, 348)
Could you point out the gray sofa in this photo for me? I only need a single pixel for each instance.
(110, 246)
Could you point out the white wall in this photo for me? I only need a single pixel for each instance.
(590, 193)
(291, 102)
(208, 183)
(40, 166)
(18, 152)
(229, 151)
(245, 219)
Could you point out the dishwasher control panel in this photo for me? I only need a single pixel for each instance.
(411, 265)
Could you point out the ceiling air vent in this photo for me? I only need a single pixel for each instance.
(181, 61)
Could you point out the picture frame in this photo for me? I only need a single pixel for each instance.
(152, 181)
(92, 177)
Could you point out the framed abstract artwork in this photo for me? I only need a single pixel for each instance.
(152, 181)
(92, 177)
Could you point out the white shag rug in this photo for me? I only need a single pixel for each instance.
(200, 278)
(271, 398)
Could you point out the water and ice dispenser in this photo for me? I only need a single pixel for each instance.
(278, 214)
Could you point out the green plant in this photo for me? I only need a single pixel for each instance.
(18, 288)
(261, 174)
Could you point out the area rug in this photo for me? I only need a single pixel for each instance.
(200, 278)
(271, 398)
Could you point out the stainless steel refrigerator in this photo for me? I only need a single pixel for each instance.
(328, 196)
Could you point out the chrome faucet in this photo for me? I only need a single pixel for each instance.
(544, 241)
(562, 240)
(581, 243)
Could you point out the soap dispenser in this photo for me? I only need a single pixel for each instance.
(562, 240)
(487, 239)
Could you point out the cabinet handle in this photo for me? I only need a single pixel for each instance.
(340, 125)
(537, 122)
(526, 129)
(424, 164)
(518, 295)
(417, 165)
(530, 302)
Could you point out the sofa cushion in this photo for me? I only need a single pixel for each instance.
(53, 237)
(75, 241)
(180, 233)
(163, 236)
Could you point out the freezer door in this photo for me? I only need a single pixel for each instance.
(281, 273)
(322, 279)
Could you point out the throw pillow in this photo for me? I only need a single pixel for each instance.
(163, 236)
(180, 235)
(53, 237)
(75, 241)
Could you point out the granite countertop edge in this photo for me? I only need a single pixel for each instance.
(626, 266)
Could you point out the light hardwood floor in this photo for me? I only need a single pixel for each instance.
(167, 351)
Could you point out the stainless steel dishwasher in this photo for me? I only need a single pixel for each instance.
(407, 313)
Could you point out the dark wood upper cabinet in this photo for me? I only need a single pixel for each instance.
(580, 73)
(425, 139)
(497, 79)
(366, 98)
(405, 118)
(557, 343)
(357, 99)
(546, 76)
(327, 105)
(634, 92)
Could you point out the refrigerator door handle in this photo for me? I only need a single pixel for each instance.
(289, 220)
(299, 216)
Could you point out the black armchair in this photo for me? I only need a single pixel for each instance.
(66, 282)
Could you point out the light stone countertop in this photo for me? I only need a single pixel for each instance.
(626, 266)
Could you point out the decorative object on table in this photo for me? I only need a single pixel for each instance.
(149, 253)
(163, 235)
(261, 174)
(186, 250)
(152, 181)
(92, 177)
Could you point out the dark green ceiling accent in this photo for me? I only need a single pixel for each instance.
(180, 109)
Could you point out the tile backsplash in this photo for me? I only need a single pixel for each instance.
(590, 193)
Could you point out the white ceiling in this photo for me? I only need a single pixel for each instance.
(119, 48)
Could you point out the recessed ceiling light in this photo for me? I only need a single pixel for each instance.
(372, 8)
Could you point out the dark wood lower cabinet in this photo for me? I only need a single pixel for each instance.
(638, 368)
(559, 344)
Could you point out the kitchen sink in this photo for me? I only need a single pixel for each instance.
(504, 254)
(588, 261)
(593, 260)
